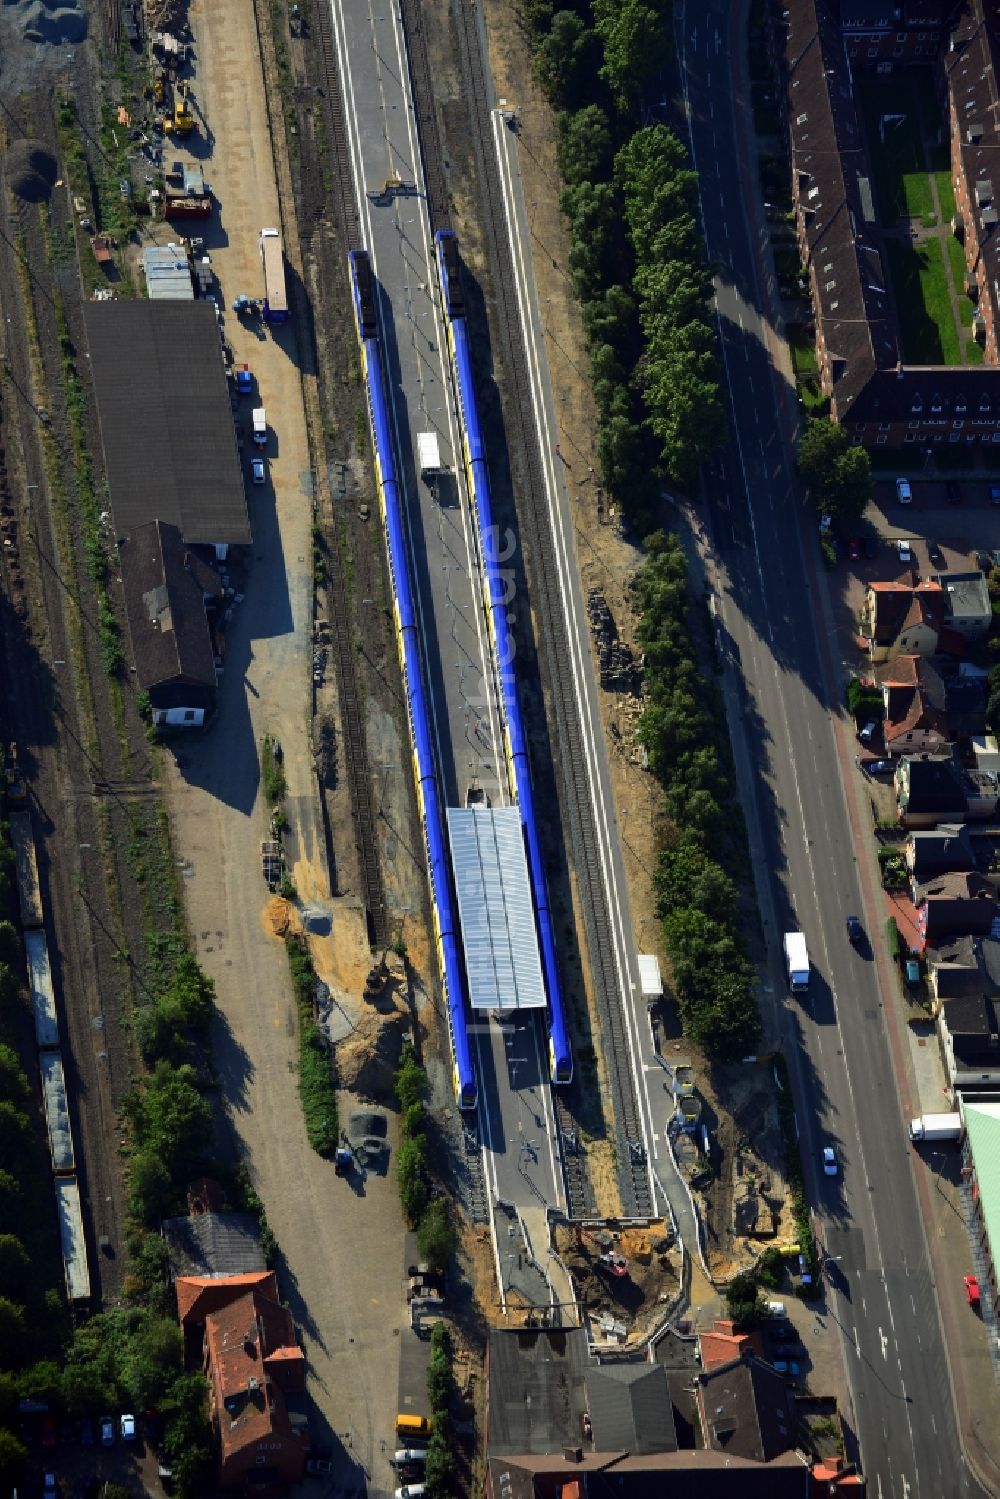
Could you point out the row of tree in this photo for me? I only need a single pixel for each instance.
(439, 1470)
(636, 259)
(317, 1086)
(429, 1213)
(683, 730)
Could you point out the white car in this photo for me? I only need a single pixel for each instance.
(904, 494)
(410, 1491)
(829, 1161)
(905, 552)
(128, 1428)
(825, 522)
(258, 472)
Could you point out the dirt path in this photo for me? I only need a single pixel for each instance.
(330, 1273)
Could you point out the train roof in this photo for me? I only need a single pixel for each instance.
(502, 962)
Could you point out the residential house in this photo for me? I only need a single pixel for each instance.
(968, 609)
(553, 1414)
(745, 1409)
(953, 969)
(969, 1032)
(630, 1408)
(971, 69)
(955, 905)
(929, 792)
(256, 1374)
(884, 402)
(903, 619)
(723, 1344)
(168, 589)
(933, 851)
(881, 35)
(913, 696)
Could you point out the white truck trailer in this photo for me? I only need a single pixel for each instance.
(797, 962)
(929, 1127)
(259, 427)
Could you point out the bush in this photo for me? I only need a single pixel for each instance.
(770, 1268)
(743, 1303)
(435, 1234)
(272, 772)
(317, 1087)
(892, 938)
(411, 1171)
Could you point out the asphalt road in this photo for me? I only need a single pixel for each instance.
(516, 1113)
(786, 681)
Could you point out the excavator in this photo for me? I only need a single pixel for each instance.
(182, 122)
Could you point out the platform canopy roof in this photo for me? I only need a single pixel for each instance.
(502, 962)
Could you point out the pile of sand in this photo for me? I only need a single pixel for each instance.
(368, 1060)
(281, 918)
(31, 171)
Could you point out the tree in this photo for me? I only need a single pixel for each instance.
(15, 1132)
(637, 43)
(411, 1080)
(16, 1276)
(42, 1381)
(171, 1119)
(151, 1191)
(192, 991)
(411, 1169)
(187, 1439)
(837, 472)
(12, 1329)
(686, 876)
(13, 1083)
(743, 1303)
(10, 945)
(436, 1236)
(151, 1360)
(585, 145)
(593, 227)
(13, 1453)
(612, 319)
(566, 60)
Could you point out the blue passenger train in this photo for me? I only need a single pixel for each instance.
(496, 596)
(407, 642)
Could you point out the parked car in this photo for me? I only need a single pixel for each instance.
(49, 1486)
(971, 1285)
(86, 1432)
(107, 1432)
(868, 732)
(871, 547)
(829, 1161)
(905, 551)
(854, 548)
(934, 551)
(787, 1350)
(995, 494)
(904, 494)
(128, 1428)
(410, 1491)
(855, 931)
(407, 1455)
(878, 767)
(258, 471)
(48, 1432)
(825, 522)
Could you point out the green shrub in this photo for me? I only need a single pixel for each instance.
(892, 937)
(435, 1234)
(272, 772)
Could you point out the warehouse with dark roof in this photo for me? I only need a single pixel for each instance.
(166, 421)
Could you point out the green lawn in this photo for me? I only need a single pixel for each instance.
(902, 186)
(920, 284)
(803, 350)
(974, 351)
(956, 259)
(946, 194)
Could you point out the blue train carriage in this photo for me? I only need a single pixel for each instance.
(407, 643)
(496, 601)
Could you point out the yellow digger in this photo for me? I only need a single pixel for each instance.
(182, 122)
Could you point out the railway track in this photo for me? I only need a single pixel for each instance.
(342, 630)
(336, 128)
(422, 89)
(540, 553)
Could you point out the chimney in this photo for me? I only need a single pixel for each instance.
(573, 1454)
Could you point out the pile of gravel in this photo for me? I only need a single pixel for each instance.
(31, 171)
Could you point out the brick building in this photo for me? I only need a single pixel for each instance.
(885, 402)
(256, 1371)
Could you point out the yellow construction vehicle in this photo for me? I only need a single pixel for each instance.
(158, 86)
(182, 122)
